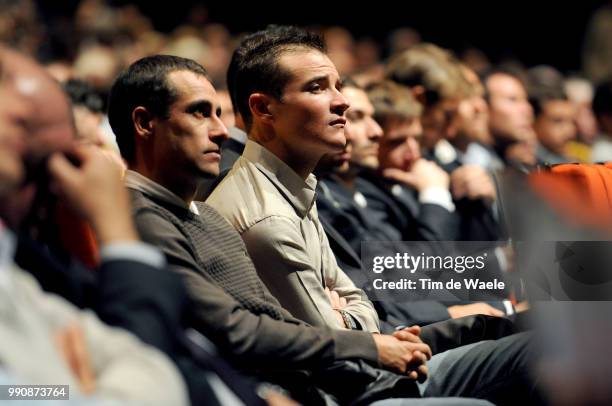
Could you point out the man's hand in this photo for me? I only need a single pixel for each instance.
(472, 182)
(412, 334)
(94, 188)
(423, 174)
(474, 308)
(337, 303)
(402, 356)
(71, 343)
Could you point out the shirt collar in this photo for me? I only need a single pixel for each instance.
(136, 181)
(299, 193)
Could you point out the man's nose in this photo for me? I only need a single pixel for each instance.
(375, 132)
(218, 132)
(348, 131)
(339, 103)
(413, 150)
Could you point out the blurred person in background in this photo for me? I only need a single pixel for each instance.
(97, 65)
(510, 118)
(341, 46)
(597, 45)
(437, 81)
(602, 107)
(88, 111)
(473, 139)
(580, 92)
(476, 60)
(554, 125)
(402, 39)
(554, 114)
(426, 69)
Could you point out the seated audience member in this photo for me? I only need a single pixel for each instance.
(432, 76)
(281, 235)
(473, 139)
(554, 125)
(580, 92)
(44, 338)
(438, 83)
(602, 107)
(411, 195)
(294, 114)
(510, 118)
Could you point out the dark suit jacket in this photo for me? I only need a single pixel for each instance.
(398, 206)
(347, 225)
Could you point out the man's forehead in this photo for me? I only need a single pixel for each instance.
(307, 63)
(191, 84)
(358, 100)
(564, 106)
(505, 83)
(400, 128)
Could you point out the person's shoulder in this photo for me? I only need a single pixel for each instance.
(372, 184)
(139, 200)
(246, 197)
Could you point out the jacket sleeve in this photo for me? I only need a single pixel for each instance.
(124, 368)
(152, 310)
(291, 272)
(254, 338)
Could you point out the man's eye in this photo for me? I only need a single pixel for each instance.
(315, 87)
(201, 113)
(355, 116)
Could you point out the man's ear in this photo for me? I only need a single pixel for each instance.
(143, 122)
(260, 106)
(418, 92)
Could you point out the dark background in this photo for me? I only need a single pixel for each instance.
(534, 31)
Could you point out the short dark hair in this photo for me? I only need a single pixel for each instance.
(602, 101)
(255, 67)
(144, 83)
(542, 95)
(83, 94)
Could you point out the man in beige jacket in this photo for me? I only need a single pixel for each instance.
(269, 195)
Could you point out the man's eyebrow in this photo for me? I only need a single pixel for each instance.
(201, 105)
(319, 78)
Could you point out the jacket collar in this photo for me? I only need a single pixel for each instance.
(136, 181)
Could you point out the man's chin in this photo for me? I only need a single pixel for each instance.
(208, 173)
(341, 166)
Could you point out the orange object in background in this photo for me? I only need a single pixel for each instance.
(582, 193)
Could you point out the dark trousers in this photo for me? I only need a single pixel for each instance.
(496, 370)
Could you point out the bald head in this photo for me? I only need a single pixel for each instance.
(50, 126)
